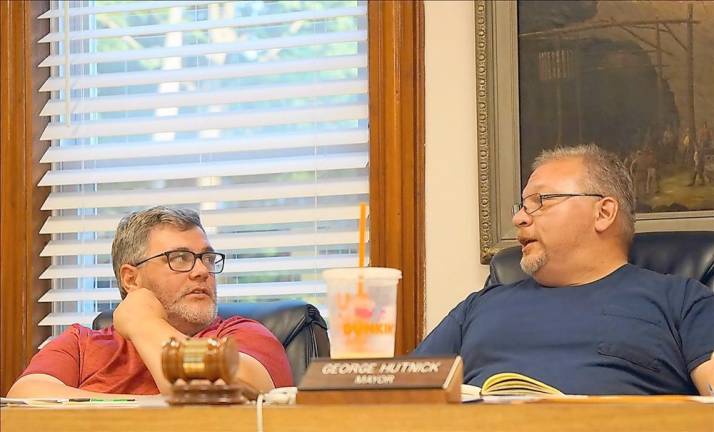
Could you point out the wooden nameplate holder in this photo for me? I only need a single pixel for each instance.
(385, 380)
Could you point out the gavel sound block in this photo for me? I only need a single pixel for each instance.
(203, 371)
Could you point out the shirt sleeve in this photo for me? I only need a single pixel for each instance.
(258, 342)
(696, 324)
(447, 336)
(59, 358)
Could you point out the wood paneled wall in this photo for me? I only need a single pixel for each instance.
(20, 171)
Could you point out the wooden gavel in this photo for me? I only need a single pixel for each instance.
(200, 359)
(193, 367)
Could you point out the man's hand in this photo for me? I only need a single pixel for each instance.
(139, 309)
(142, 319)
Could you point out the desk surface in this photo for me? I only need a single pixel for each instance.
(543, 416)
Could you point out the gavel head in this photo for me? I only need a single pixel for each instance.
(200, 359)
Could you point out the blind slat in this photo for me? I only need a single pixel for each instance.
(123, 7)
(272, 289)
(66, 318)
(217, 218)
(45, 342)
(224, 291)
(261, 20)
(198, 122)
(147, 149)
(244, 265)
(203, 49)
(70, 295)
(206, 73)
(174, 196)
(223, 242)
(183, 99)
(206, 169)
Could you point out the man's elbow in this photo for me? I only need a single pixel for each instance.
(252, 372)
(20, 388)
(703, 377)
(34, 385)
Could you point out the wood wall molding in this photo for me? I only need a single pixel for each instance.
(20, 171)
(396, 94)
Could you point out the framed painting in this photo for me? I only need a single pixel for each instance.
(633, 77)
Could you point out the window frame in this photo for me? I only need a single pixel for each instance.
(20, 200)
(396, 73)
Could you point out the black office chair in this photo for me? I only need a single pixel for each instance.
(296, 324)
(684, 253)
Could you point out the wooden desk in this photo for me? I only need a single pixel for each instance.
(607, 417)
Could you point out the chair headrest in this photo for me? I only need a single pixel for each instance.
(683, 253)
(285, 318)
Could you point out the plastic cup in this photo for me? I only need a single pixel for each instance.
(362, 305)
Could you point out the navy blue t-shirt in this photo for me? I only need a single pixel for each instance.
(633, 332)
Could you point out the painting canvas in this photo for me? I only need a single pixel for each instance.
(634, 77)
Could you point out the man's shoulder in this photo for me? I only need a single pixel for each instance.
(77, 335)
(81, 331)
(230, 324)
(498, 288)
(233, 319)
(493, 291)
(666, 283)
(490, 296)
(643, 274)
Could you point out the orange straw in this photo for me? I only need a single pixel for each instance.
(362, 228)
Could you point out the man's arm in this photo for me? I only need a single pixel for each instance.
(54, 371)
(141, 318)
(154, 333)
(252, 372)
(703, 377)
(43, 385)
(446, 338)
(695, 330)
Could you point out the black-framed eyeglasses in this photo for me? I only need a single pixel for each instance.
(184, 260)
(534, 201)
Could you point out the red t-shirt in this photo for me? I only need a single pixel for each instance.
(103, 361)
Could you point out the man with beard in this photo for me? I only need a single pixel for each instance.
(166, 271)
(586, 321)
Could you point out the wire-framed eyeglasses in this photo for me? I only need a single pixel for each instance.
(534, 201)
(184, 260)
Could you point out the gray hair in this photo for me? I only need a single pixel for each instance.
(605, 174)
(132, 236)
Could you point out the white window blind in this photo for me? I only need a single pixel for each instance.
(253, 113)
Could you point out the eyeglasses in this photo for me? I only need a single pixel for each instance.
(183, 261)
(534, 201)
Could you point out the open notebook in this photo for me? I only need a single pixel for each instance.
(509, 384)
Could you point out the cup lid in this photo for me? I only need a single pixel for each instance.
(365, 272)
